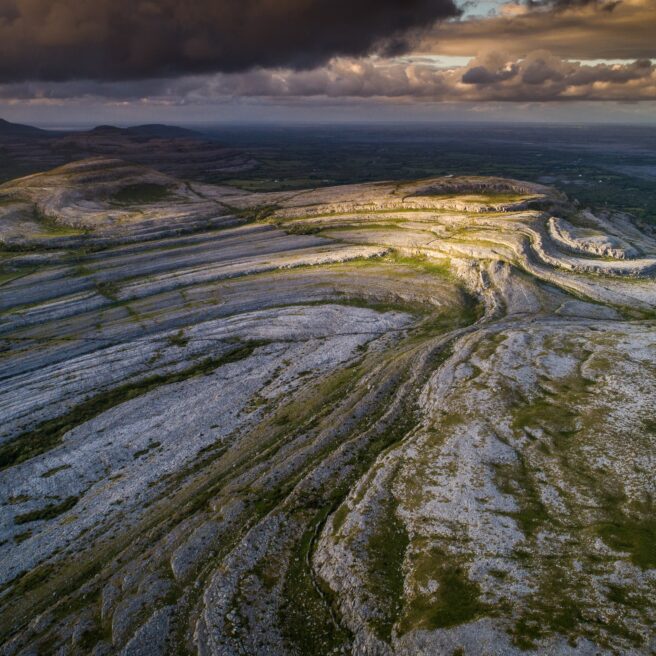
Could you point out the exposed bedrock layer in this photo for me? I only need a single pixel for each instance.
(395, 418)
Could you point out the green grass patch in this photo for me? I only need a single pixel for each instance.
(54, 470)
(516, 479)
(456, 600)
(340, 517)
(634, 534)
(141, 194)
(302, 229)
(423, 263)
(308, 622)
(8, 276)
(50, 511)
(386, 550)
(254, 214)
(50, 227)
(27, 581)
(143, 452)
(108, 289)
(21, 537)
(556, 608)
(179, 339)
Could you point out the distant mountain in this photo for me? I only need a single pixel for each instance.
(177, 151)
(153, 130)
(104, 129)
(157, 130)
(8, 129)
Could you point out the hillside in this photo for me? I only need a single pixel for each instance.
(386, 418)
(176, 151)
(8, 129)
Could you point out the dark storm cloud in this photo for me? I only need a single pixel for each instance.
(133, 39)
(563, 5)
(540, 71)
(481, 75)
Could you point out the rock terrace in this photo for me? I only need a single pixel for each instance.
(391, 418)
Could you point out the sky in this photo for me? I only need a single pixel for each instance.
(83, 62)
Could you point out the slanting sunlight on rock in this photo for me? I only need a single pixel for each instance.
(403, 418)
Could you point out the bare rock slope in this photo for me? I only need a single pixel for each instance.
(391, 418)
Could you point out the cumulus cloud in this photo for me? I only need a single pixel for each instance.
(541, 76)
(136, 39)
(538, 77)
(582, 30)
(482, 75)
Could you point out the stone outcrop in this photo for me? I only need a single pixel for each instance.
(391, 418)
